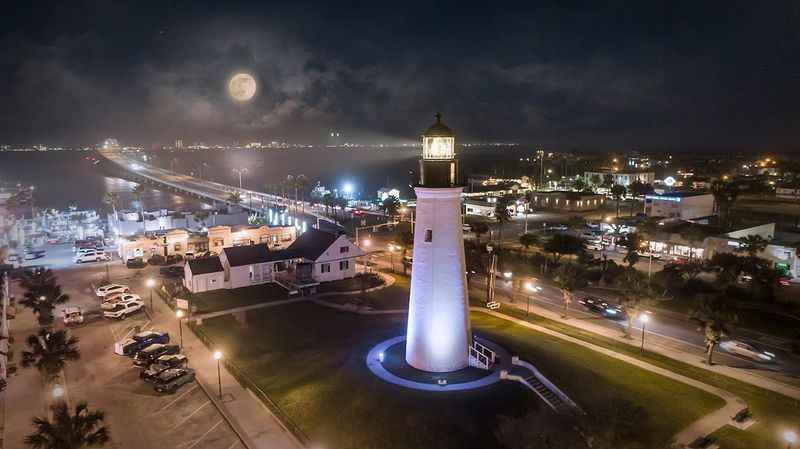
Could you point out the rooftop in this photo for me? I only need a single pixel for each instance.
(205, 265)
(251, 254)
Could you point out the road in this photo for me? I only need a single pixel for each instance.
(664, 329)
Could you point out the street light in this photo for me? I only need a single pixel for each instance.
(218, 357)
(179, 315)
(531, 289)
(650, 261)
(644, 318)
(790, 437)
(239, 171)
(150, 283)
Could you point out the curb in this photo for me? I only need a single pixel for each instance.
(243, 438)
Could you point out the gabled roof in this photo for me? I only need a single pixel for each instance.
(205, 265)
(312, 243)
(252, 254)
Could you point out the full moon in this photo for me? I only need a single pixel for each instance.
(242, 87)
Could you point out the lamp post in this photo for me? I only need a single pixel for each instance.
(790, 437)
(509, 276)
(179, 316)
(650, 260)
(644, 318)
(531, 289)
(150, 283)
(239, 171)
(218, 357)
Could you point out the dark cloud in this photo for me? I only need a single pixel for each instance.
(596, 75)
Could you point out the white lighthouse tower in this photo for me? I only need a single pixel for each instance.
(438, 337)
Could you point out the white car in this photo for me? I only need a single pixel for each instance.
(91, 256)
(119, 299)
(746, 350)
(73, 315)
(108, 289)
(122, 310)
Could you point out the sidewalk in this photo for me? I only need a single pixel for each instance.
(251, 419)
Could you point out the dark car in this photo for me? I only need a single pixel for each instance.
(593, 304)
(162, 364)
(137, 262)
(149, 354)
(170, 380)
(614, 313)
(175, 271)
(137, 342)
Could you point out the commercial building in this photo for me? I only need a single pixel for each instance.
(567, 200)
(127, 223)
(682, 205)
(623, 178)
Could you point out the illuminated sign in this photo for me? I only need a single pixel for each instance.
(676, 199)
(669, 181)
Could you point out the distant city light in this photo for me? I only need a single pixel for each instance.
(669, 181)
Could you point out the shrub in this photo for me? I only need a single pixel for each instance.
(157, 260)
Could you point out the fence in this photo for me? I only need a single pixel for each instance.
(247, 382)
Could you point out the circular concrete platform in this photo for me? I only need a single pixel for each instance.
(387, 361)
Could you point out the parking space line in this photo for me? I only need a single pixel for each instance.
(194, 387)
(190, 415)
(234, 444)
(204, 435)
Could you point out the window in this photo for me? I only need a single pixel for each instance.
(428, 235)
(177, 247)
(252, 271)
(344, 249)
(325, 268)
(344, 265)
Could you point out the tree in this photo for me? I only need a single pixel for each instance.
(69, 429)
(391, 206)
(327, 201)
(608, 181)
(48, 351)
(725, 195)
(112, 199)
(715, 317)
(502, 215)
(753, 244)
(563, 244)
(480, 228)
(235, 198)
(138, 193)
(579, 184)
(695, 236)
(300, 184)
(596, 180)
(638, 189)
(528, 240)
(405, 239)
(729, 267)
(635, 296)
(42, 294)
(618, 192)
(568, 277)
(632, 243)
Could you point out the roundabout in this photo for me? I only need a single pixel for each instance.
(387, 361)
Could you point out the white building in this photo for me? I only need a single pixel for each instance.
(202, 275)
(253, 264)
(623, 178)
(438, 337)
(683, 205)
(333, 257)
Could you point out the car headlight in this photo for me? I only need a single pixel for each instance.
(764, 357)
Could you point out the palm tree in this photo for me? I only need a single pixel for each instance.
(528, 240)
(563, 244)
(138, 192)
(502, 215)
(49, 351)
(567, 278)
(725, 194)
(112, 199)
(638, 189)
(480, 228)
(234, 198)
(618, 192)
(635, 296)
(327, 201)
(300, 184)
(753, 244)
(391, 206)
(596, 180)
(715, 317)
(69, 430)
(42, 294)
(632, 242)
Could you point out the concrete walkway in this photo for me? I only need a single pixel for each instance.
(700, 428)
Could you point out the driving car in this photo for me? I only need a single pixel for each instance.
(747, 350)
(593, 304)
(107, 289)
(170, 380)
(137, 342)
(110, 303)
(162, 364)
(122, 310)
(149, 354)
(91, 256)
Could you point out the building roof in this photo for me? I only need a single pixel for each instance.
(438, 129)
(311, 244)
(251, 254)
(205, 265)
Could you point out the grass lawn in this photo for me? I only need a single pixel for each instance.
(773, 412)
(225, 299)
(310, 360)
(359, 282)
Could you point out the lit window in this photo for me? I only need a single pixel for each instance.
(344, 265)
(428, 235)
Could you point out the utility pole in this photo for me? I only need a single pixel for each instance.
(540, 152)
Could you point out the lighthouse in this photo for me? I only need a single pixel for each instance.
(438, 336)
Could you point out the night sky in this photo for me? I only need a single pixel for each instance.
(587, 75)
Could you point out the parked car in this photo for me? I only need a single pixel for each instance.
(149, 354)
(108, 289)
(747, 350)
(137, 342)
(73, 315)
(136, 262)
(91, 256)
(121, 311)
(188, 255)
(170, 380)
(124, 298)
(162, 364)
(175, 271)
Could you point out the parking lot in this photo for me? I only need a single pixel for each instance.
(137, 415)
